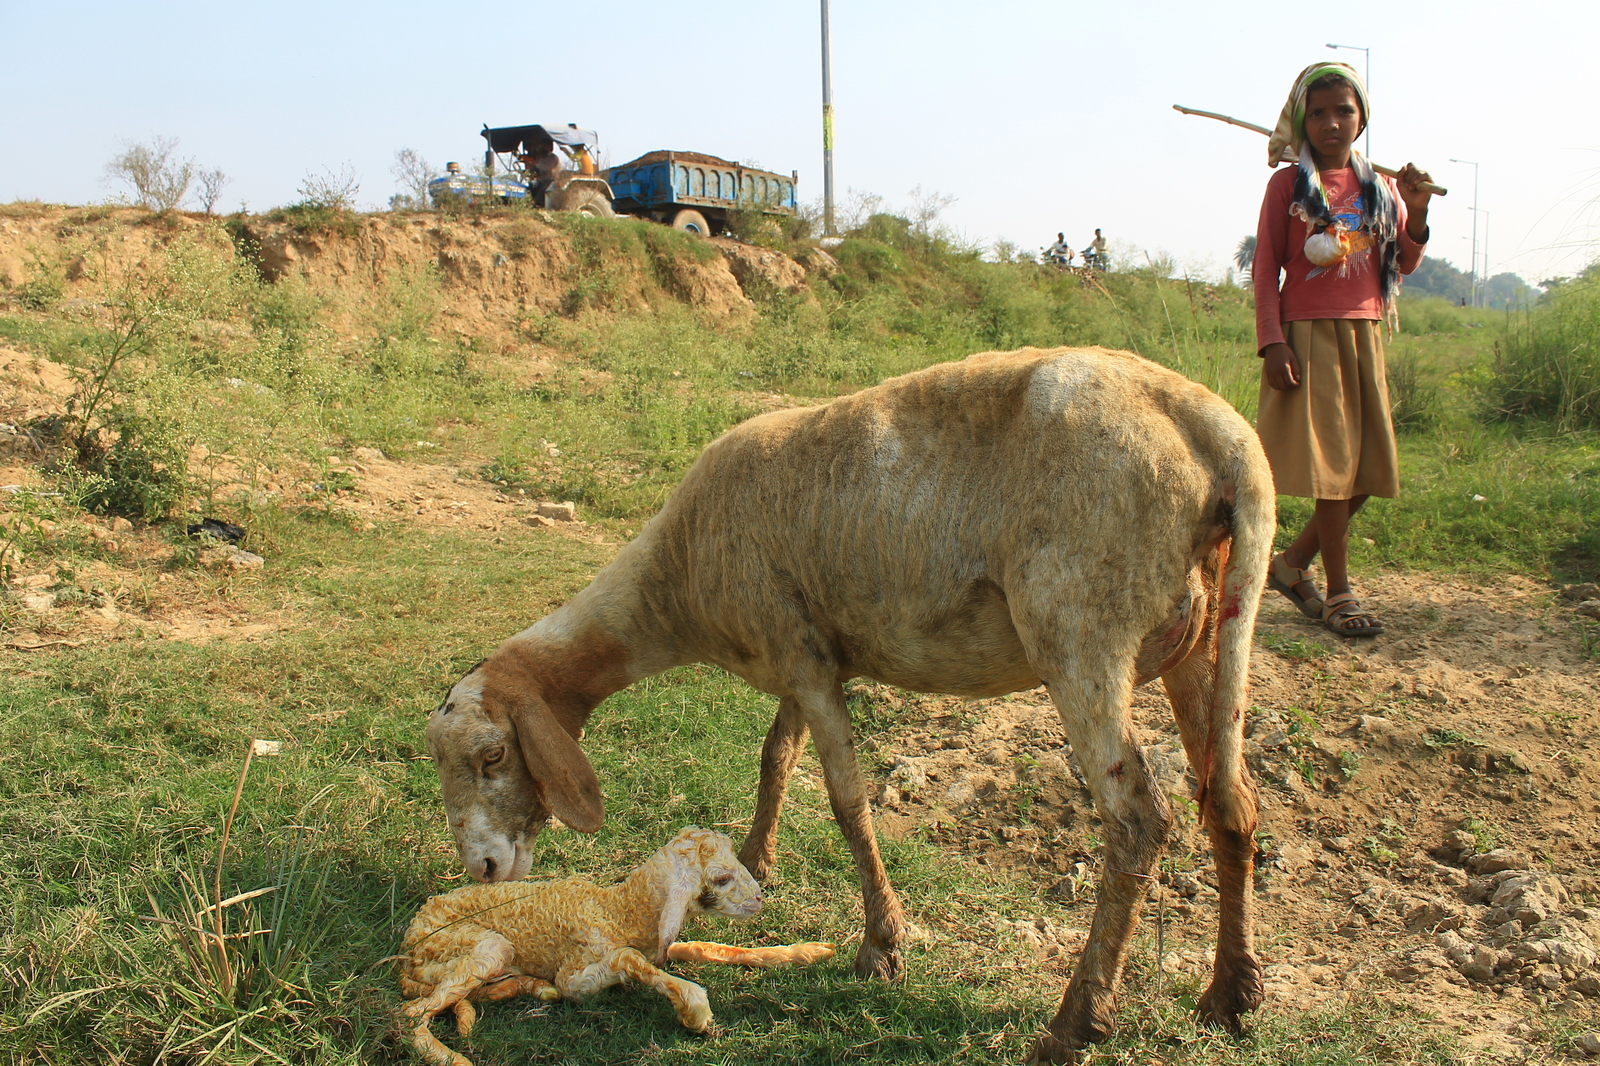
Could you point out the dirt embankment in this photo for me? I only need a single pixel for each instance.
(493, 270)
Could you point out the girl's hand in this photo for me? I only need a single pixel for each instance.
(1416, 200)
(1281, 366)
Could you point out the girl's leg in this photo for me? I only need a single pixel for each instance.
(1327, 534)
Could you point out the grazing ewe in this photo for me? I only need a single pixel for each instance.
(1077, 518)
(570, 939)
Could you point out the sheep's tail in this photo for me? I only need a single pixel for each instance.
(1245, 558)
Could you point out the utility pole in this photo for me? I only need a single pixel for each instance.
(1474, 166)
(1367, 65)
(827, 130)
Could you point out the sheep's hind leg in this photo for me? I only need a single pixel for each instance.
(785, 742)
(885, 926)
(1229, 813)
(1094, 709)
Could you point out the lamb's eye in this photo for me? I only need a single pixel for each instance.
(724, 881)
(492, 756)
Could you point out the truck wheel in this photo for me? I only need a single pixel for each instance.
(591, 202)
(691, 221)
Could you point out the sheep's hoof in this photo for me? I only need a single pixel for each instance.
(759, 863)
(1234, 992)
(883, 964)
(1051, 1048)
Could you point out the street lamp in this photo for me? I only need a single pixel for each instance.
(1474, 166)
(1367, 65)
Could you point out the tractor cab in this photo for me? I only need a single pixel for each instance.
(550, 166)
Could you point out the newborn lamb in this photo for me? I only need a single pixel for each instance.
(571, 939)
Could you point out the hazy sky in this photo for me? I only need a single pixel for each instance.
(1036, 116)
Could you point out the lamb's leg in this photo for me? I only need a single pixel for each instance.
(1229, 813)
(765, 958)
(507, 987)
(454, 982)
(829, 720)
(686, 997)
(516, 984)
(786, 740)
(1093, 704)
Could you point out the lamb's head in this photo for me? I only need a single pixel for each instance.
(506, 763)
(701, 872)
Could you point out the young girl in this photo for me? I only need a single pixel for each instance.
(1341, 234)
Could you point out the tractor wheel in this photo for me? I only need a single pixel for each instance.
(691, 221)
(584, 201)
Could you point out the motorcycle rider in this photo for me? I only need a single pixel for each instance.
(1060, 252)
(1095, 254)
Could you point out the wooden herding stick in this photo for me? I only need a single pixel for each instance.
(1288, 157)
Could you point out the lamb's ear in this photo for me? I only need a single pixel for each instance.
(563, 776)
(682, 879)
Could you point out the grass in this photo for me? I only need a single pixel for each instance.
(119, 763)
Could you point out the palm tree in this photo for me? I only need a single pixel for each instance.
(1244, 256)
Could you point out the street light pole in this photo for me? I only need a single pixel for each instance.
(1485, 255)
(827, 129)
(1366, 63)
(1474, 166)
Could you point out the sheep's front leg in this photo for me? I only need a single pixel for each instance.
(453, 981)
(688, 999)
(1137, 820)
(785, 742)
(829, 719)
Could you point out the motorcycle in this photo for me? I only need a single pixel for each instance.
(1060, 259)
(1096, 260)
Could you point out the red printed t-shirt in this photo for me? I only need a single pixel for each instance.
(1309, 291)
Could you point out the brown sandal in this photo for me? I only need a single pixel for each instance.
(1339, 611)
(1282, 577)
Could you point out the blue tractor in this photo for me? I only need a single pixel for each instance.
(534, 173)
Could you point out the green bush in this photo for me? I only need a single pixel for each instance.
(1413, 400)
(138, 468)
(1549, 365)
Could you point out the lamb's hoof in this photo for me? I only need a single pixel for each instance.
(549, 994)
(695, 1012)
(883, 964)
(1232, 996)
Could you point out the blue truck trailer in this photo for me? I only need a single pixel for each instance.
(695, 192)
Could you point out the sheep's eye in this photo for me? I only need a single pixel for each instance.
(724, 881)
(493, 755)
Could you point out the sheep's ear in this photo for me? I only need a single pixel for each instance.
(565, 780)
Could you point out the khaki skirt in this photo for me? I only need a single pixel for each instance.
(1331, 438)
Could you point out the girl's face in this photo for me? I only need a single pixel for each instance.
(1333, 121)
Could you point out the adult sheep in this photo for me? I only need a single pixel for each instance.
(1077, 518)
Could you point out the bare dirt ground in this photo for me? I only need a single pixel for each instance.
(1429, 797)
(1428, 807)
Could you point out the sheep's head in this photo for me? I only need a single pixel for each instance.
(505, 765)
(701, 873)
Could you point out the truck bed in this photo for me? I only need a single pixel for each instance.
(662, 180)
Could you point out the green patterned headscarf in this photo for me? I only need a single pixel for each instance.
(1289, 135)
